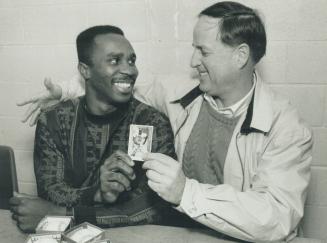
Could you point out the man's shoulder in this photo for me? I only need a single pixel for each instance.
(286, 116)
(176, 86)
(146, 113)
(63, 110)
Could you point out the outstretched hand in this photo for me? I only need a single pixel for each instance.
(46, 98)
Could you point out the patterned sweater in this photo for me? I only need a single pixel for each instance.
(71, 145)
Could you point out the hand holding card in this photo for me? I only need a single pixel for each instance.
(116, 175)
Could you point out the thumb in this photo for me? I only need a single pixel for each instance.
(49, 84)
(53, 88)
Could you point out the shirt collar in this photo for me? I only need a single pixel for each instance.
(236, 109)
(259, 110)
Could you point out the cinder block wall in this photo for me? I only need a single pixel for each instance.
(37, 40)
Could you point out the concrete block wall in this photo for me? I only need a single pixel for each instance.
(37, 40)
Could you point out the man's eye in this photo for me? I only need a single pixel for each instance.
(132, 62)
(204, 53)
(113, 61)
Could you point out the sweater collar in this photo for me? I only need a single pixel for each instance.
(118, 114)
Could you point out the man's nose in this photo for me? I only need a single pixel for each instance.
(195, 60)
(129, 69)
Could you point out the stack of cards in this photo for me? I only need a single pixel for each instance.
(54, 224)
(44, 238)
(84, 233)
(140, 141)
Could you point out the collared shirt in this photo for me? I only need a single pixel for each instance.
(234, 110)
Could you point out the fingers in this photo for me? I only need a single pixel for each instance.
(34, 117)
(164, 159)
(28, 101)
(120, 155)
(17, 205)
(43, 95)
(14, 217)
(18, 210)
(30, 110)
(113, 187)
(54, 90)
(15, 201)
(155, 176)
(49, 85)
(109, 197)
(155, 187)
(26, 224)
(125, 157)
(14, 210)
(119, 166)
(109, 180)
(157, 166)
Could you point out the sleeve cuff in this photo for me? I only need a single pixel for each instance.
(84, 214)
(191, 203)
(87, 196)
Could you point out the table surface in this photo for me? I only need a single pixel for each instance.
(135, 234)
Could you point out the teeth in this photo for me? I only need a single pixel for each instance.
(123, 85)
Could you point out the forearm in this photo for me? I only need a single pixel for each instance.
(50, 170)
(52, 186)
(65, 195)
(250, 215)
(143, 209)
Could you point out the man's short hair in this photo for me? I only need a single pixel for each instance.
(239, 24)
(85, 40)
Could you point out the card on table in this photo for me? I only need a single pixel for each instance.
(54, 224)
(44, 238)
(83, 233)
(140, 141)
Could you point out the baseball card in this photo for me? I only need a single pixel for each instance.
(44, 238)
(140, 141)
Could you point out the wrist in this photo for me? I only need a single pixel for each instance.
(57, 210)
(181, 190)
(69, 211)
(97, 196)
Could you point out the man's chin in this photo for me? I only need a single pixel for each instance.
(204, 88)
(122, 99)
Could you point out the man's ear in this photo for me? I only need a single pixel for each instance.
(243, 55)
(84, 70)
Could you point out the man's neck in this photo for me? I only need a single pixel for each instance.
(96, 106)
(235, 94)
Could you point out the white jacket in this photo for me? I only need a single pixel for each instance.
(267, 167)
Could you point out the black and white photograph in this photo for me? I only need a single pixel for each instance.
(163, 121)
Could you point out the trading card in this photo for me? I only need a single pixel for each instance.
(44, 238)
(54, 224)
(83, 233)
(103, 241)
(140, 141)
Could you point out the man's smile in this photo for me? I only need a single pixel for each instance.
(123, 85)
